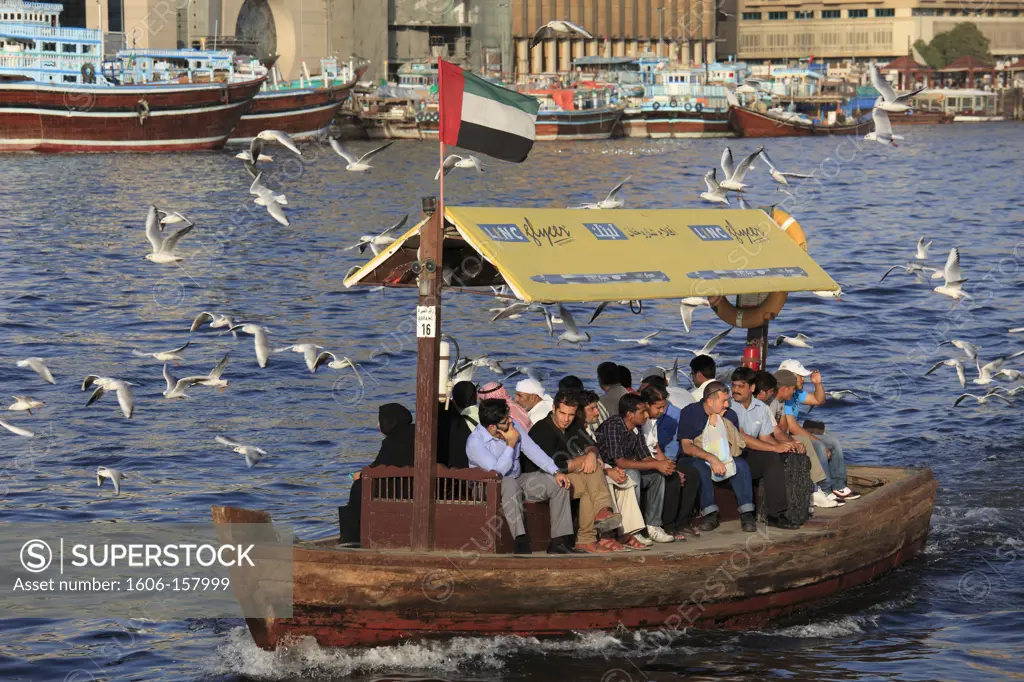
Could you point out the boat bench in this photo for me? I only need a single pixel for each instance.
(467, 511)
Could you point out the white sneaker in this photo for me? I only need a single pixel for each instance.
(820, 499)
(645, 541)
(846, 494)
(838, 500)
(658, 535)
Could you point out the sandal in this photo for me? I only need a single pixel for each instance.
(593, 548)
(611, 545)
(633, 543)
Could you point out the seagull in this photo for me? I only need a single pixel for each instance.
(982, 399)
(910, 268)
(559, 28)
(883, 129)
(1011, 374)
(688, 305)
(777, 175)
(988, 371)
(16, 430)
(951, 362)
(715, 193)
(842, 393)
(254, 154)
(24, 403)
(252, 453)
(172, 218)
(338, 363)
(163, 247)
(114, 475)
(610, 201)
(278, 136)
(734, 175)
(889, 100)
(1016, 330)
(213, 379)
(164, 355)
(954, 281)
(799, 341)
(454, 161)
(514, 310)
(486, 361)
(645, 341)
(672, 375)
(537, 375)
(262, 345)
(37, 365)
(922, 249)
(267, 198)
(215, 320)
(969, 349)
(361, 164)
(463, 370)
(601, 306)
(572, 334)
(176, 387)
(1008, 392)
(834, 295)
(310, 352)
(710, 345)
(125, 398)
(381, 241)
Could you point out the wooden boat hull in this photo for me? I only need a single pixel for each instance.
(153, 118)
(727, 579)
(400, 129)
(685, 124)
(921, 118)
(585, 124)
(747, 123)
(303, 114)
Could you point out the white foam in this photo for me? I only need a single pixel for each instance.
(841, 627)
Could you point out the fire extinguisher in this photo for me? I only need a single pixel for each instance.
(752, 356)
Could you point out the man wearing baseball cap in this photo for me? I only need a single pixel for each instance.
(531, 397)
(826, 445)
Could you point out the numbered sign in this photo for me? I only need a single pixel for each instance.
(426, 321)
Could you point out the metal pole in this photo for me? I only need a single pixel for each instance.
(661, 30)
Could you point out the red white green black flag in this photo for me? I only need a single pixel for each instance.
(483, 117)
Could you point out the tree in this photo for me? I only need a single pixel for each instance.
(962, 40)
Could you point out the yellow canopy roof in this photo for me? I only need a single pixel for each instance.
(584, 255)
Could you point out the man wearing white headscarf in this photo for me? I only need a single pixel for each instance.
(531, 397)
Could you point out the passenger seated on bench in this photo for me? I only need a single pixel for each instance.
(701, 428)
(464, 404)
(826, 445)
(397, 450)
(703, 372)
(621, 445)
(496, 444)
(585, 471)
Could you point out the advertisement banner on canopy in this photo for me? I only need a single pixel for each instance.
(584, 255)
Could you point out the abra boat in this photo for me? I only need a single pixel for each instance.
(435, 556)
(576, 114)
(302, 108)
(54, 98)
(748, 123)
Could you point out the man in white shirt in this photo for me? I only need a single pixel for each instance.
(531, 397)
(704, 372)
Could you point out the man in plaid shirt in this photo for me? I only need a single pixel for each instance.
(620, 444)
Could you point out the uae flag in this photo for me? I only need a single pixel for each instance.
(483, 117)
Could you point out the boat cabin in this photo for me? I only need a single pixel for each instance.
(163, 66)
(34, 46)
(417, 76)
(963, 104)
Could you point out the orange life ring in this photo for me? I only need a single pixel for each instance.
(769, 308)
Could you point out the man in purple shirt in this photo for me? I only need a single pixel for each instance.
(495, 445)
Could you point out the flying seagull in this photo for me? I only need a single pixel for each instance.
(252, 453)
(260, 339)
(715, 193)
(688, 305)
(37, 365)
(842, 393)
(612, 200)
(254, 154)
(172, 218)
(777, 175)
(889, 100)
(600, 309)
(176, 387)
(969, 349)
(645, 341)
(982, 399)
(163, 246)
(734, 175)
(163, 355)
(381, 241)
(213, 379)
(280, 137)
(268, 198)
(883, 129)
(454, 161)
(956, 363)
(125, 398)
(990, 370)
(559, 28)
(922, 249)
(798, 341)
(910, 268)
(215, 320)
(953, 286)
(334, 362)
(23, 403)
(361, 164)
(310, 351)
(710, 345)
(114, 475)
(16, 430)
(572, 334)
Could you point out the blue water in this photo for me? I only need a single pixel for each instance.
(75, 289)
